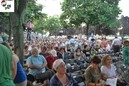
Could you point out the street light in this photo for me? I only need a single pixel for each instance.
(120, 30)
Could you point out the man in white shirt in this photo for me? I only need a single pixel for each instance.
(116, 44)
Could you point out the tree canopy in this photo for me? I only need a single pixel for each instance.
(91, 12)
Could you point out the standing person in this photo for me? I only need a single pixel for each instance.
(116, 44)
(29, 27)
(5, 66)
(20, 78)
(61, 78)
(18, 73)
(93, 74)
(126, 52)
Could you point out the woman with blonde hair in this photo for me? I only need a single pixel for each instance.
(107, 67)
(36, 64)
(109, 70)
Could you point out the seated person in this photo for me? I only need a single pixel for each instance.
(51, 58)
(107, 67)
(36, 64)
(62, 54)
(86, 50)
(109, 70)
(93, 74)
(61, 78)
(79, 56)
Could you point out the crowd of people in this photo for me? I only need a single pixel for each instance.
(49, 56)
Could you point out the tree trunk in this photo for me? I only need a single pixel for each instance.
(10, 29)
(87, 30)
(16, 19)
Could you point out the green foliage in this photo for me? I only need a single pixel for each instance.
(53, 24)
(33, 11)
(4, 22)
(93, 12)
(50, 24)
(39, 25)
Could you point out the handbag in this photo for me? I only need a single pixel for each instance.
(44, 76)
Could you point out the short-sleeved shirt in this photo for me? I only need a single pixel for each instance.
(110, 72)
(36, 60)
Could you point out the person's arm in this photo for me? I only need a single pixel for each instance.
(34, 66)
(44, 62)
(91, 84)
(71, 80)
(31, 66)
(14, 65)
(75, 55)
(103, 73)
(54, 81)
(96, 84)
(88, 76)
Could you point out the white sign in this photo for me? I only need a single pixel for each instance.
(111, 82)
(6, 5)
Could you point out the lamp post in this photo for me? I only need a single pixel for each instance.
(82, 26)
(120, 29)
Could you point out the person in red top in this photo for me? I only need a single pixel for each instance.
(51, 58)
(29, 25)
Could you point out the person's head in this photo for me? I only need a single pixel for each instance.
(62, 49)
(92, 39)
(85, 46)
(34, 51)
(126, 43)
(59, 66)
(95, 61)
(43, 49)
(106, 60)
(104, 38)
(7, 45)
(53, 53)
(78, 50)
(26, 47)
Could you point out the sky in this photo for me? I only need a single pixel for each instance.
(52, 7)
(124, 4)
